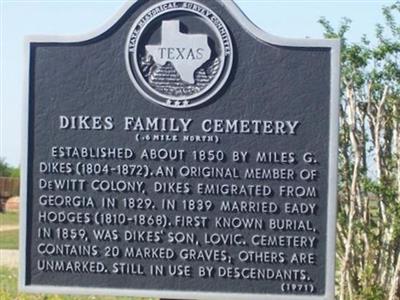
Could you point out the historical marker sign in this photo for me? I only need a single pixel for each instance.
(183, 153)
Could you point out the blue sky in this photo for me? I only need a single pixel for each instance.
(287, 18)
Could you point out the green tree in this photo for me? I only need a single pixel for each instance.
(368, 246)
(8, 171)
(4, 168)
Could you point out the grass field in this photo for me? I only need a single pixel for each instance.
(8, 290)
(8, 219)
(9, 239)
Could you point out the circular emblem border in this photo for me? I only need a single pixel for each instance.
(139, 27)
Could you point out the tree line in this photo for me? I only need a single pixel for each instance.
(8, 171)
(368, 227)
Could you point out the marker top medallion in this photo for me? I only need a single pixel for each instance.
(179, 54)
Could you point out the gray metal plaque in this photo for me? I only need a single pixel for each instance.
(180, 152)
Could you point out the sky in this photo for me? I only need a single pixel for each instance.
(20, 18)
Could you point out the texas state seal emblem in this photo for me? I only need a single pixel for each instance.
(179, 54)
